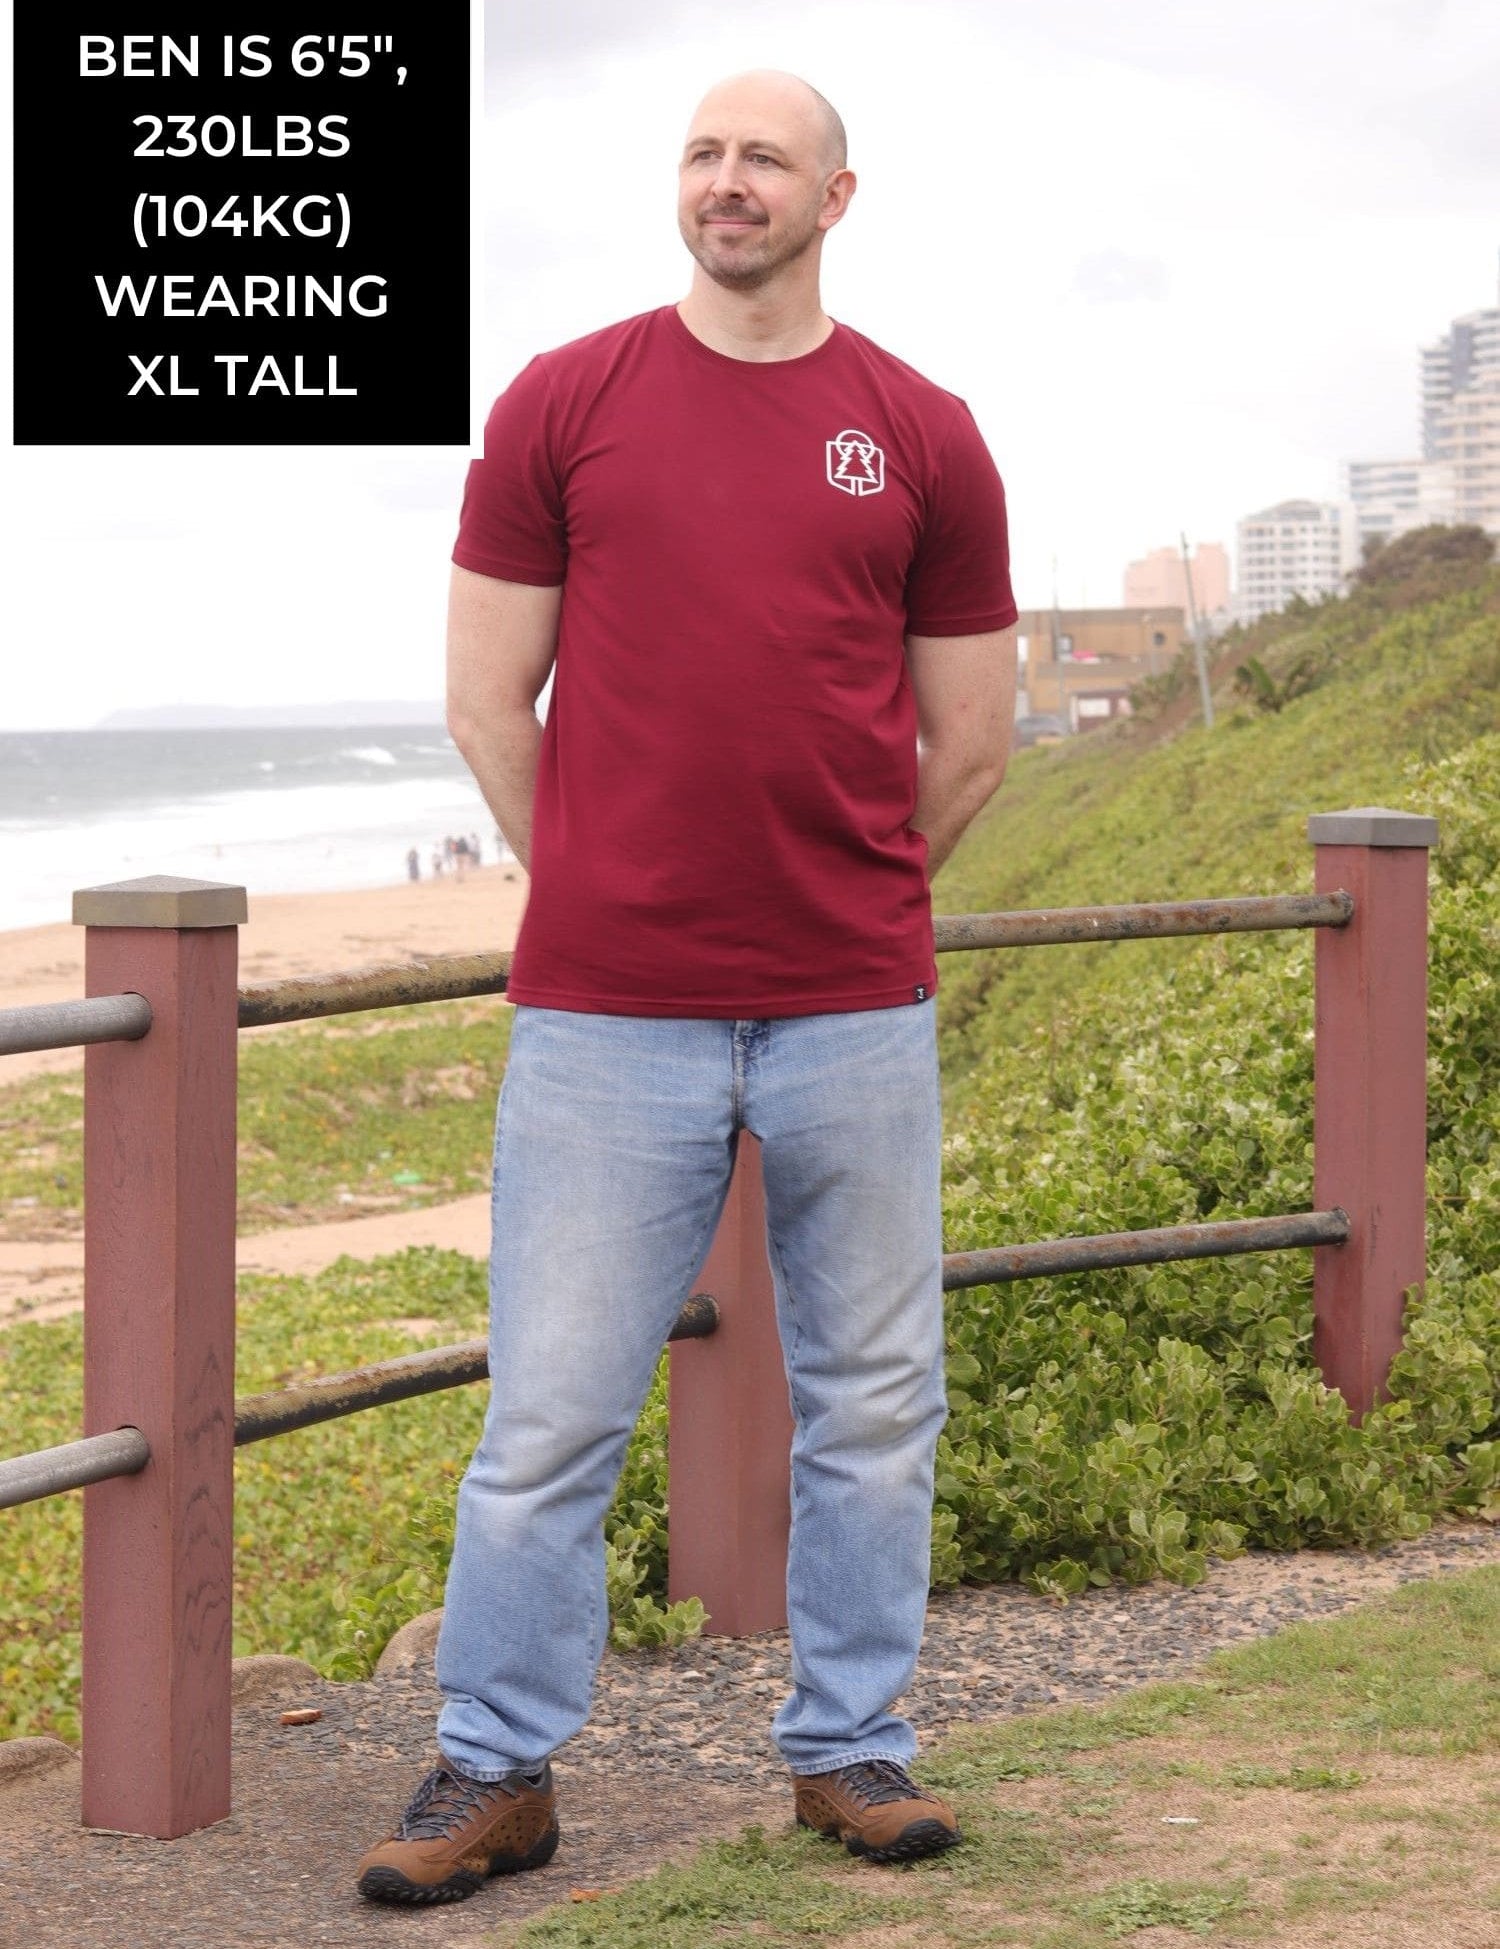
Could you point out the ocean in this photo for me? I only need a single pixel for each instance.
(280, 810)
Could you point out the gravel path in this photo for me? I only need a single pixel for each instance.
(677, 1752)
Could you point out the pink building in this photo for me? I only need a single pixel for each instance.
(1158, 581)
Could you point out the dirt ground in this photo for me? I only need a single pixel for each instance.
(678, 1752)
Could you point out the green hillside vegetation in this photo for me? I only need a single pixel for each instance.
(1143, 812)
(1113, 1425)
(1120, 1424)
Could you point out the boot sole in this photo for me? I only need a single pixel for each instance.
(390, 1885)
(913, 1843)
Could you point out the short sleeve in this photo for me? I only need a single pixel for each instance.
(511, 525)
(959, 582)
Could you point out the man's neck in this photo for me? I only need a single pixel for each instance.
(757, 326)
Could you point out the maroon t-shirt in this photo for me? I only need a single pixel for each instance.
(729, 761)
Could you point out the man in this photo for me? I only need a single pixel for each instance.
(759, 557)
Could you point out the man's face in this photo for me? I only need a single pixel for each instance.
(754, 185)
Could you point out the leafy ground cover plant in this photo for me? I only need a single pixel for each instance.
(342, 1531)
(1126, 1424)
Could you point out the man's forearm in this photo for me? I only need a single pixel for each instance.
(502, 754)
(965, 691)
(952, 787)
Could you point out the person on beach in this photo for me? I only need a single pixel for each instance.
(766, 565)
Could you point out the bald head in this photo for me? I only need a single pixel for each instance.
(762, 181)
(781, 94)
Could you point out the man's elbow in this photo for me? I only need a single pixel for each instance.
(463, 725)
(986, 780)
(983, 772)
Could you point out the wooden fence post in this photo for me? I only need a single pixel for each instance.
(729, 1448)
(159, 1212)
(1370, 1087)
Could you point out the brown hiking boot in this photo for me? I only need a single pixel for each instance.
(877, 1810)
(458, 1831)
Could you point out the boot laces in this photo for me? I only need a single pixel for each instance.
(876, 1783)
(443, 1802)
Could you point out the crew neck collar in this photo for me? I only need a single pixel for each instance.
(676, 325)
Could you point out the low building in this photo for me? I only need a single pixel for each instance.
(1080, 664)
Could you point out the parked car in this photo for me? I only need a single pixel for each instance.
(1039, 727)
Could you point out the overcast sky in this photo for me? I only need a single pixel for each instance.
(1177, 257)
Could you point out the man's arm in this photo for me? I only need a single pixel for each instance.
(965, 687)
(502, 640)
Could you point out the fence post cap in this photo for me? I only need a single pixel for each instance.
(160, 900)
(1371, 825)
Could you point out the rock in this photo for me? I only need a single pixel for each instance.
(22, 1759)
(412, 1646)
(269, 1676)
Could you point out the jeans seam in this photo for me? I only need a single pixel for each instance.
(793, 1342)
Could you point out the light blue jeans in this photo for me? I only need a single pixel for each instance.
(613, 1148)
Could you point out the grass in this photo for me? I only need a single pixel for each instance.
(388, 1111)
(1342, 1775)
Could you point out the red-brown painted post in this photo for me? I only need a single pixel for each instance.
(159, 1209)
(1370, 1085)
(729, 1446)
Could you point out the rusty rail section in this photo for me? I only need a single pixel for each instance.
(443, 978)
(455, 977)
(1151, 920)
(331, 1396)
(259, 1416)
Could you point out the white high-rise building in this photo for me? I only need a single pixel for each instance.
(1466, 433)
(1467, 353)
(1297, 548)
(1461, 414)
(1391, 496)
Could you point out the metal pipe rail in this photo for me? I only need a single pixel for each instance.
(443, 978)
(257, 1417)
(1142, 921)
(49, 1471)
(456, 977)
(331, 1396)
(67, 1025)
(1045, 1258)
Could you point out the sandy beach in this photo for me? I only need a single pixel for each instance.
(287, 934)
